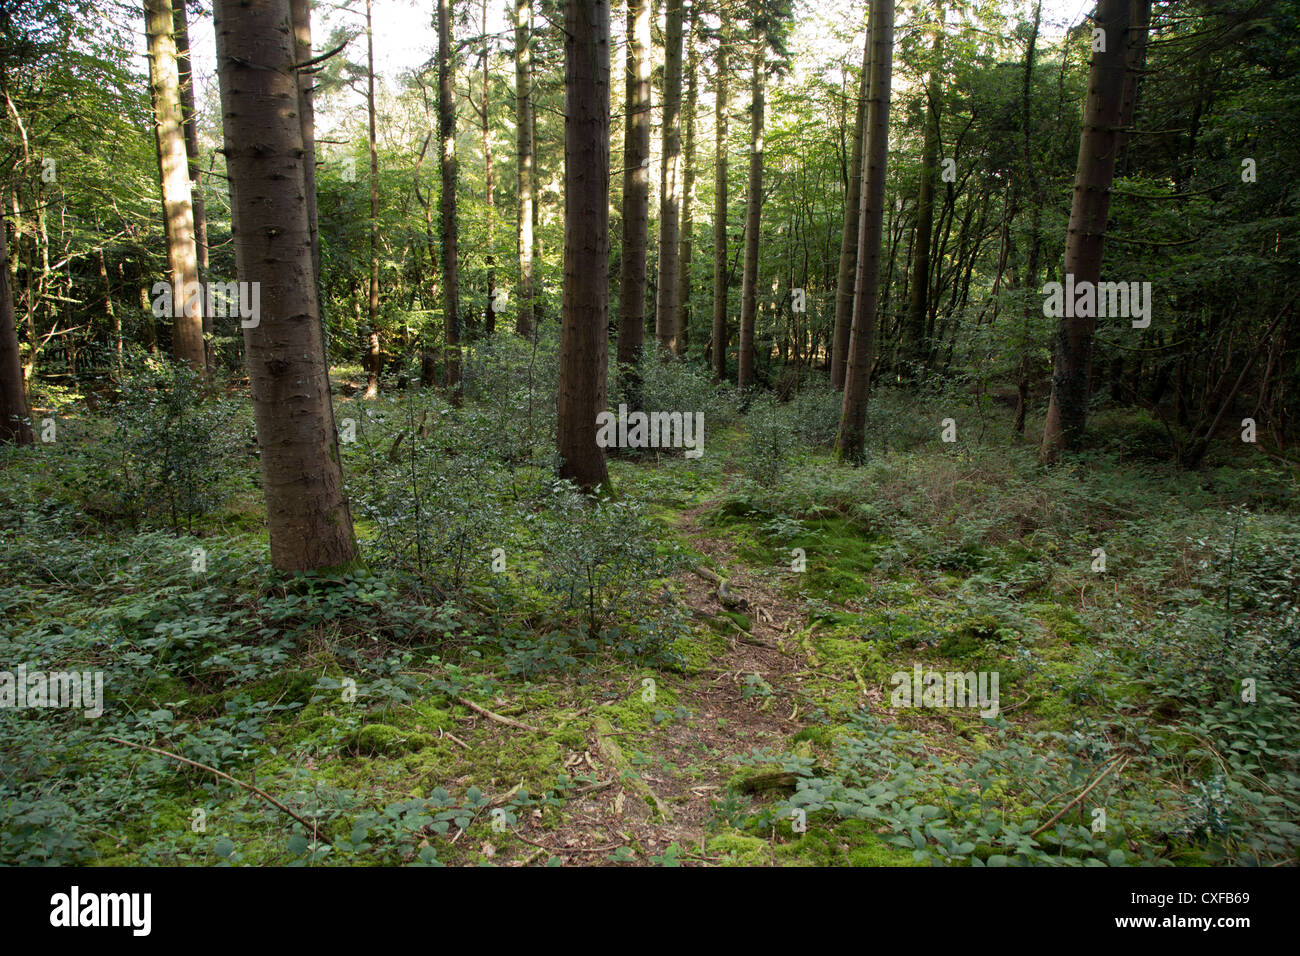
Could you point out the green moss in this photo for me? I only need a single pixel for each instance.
(736, 849)
(383, 739)
(850, 843)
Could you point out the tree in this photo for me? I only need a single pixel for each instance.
(173, 166)
(301, 11)
(753, 217)
(919, 286)
(584, 326)
(849, 235)
(670, 198)
(15, 424)
(374, 356)
(636, 186)
(193, 167)
(1072, 354)
(524, 121)
(302, 476)
(850, 442)
(447, 200)
(686, 240)
(721, 126)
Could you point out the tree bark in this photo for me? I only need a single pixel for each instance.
(849, 237)
(1067, 410)
(301, 11)
(173, 165)
(15, 420)
(525, 161)
(193, 167)
(636, 187)
(670, 199)
(851, 441)
(720, 271)
(374, 356)
(450, 225)
(753, 213)
(686, 241)
(584, 329)
(919, 287)
(302, 476)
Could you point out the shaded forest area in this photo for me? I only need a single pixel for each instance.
(679, 432)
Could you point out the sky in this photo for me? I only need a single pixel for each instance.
(405, 38)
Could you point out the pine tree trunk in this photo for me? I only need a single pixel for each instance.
(301, 10)
(919, 286)
(374, 356)
(193, 168)
(670, 199)
(849, 236)
(686, 242)
(450, 224)
(584, 332)
(851, 441)
(636, 187)
(1072, 355)
(173, 164)
(15, 423)
(718, 344)
(489, 312)
(753, 212)
(302, 476)
(524, 157)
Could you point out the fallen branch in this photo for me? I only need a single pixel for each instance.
(509, 722)
(1121, 763)
(225, 776)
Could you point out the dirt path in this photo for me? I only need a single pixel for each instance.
(659, 787)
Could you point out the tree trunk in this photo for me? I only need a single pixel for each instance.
(584, 332)
(849, 237)
(301, 11)
(919, 287)
(670, 199)
(178, 213)
(851, 441)
(15, 422)
(636, 186)
(489, 182)
(193, 167)
(302, 477)
(753, 211)
(1072, 356)
(374, 357)
(450, 224)
(525, 161)
(720, 271)
(686, 241)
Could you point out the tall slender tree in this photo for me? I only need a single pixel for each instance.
(636, 186)
(721, 125)
(851, 440)
(1067, 410)
(302, 476)
(670, 171)
(919, 285)
(524, 158)
(753, 215)
(447, 200)
(584, 330)
(849, 235)
(173, 164)
(194, 168)
(15, 423)
(686, 239)
(374, 353)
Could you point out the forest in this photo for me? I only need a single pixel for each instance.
(710, 433)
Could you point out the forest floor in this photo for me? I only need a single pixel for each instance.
(734, 710)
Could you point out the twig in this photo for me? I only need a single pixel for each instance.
(247, 786)
(509, 722)
(1121, 763)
